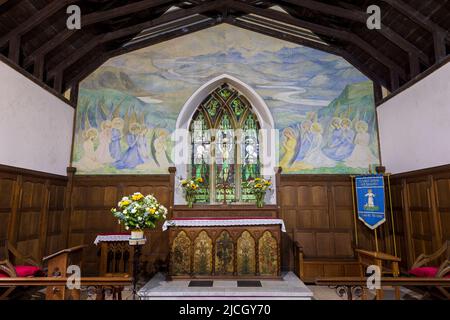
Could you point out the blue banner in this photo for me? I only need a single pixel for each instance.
(370, 200)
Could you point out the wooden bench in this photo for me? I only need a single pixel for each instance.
(349, 283)
(100, 283)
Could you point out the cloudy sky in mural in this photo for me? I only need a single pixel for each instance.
(284, 74)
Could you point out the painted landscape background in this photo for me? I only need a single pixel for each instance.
(322, 106)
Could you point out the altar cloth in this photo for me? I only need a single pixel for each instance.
(221, 222)
(112, 237)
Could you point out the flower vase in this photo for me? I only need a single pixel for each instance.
(190, 200)
(260, 200)
(137, 234)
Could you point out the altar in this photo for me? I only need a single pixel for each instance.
(225, 247)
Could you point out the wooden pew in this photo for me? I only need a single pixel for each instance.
(57, 267)
(98, 282)
(349, 283)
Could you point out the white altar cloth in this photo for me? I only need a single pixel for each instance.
(111, 238)
(222, 222)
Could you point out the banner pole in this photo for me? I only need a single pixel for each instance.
(354, 212)
(392, 215)
(376, 240)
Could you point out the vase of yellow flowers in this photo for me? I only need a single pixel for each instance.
(138, 212)
(190, 187)
(259, 187)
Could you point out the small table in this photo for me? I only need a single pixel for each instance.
(116, 258)
(366, 258)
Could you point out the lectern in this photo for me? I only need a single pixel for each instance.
(57, 267)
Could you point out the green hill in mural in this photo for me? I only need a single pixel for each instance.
(97, 105)
(354, 102)
(109, 77)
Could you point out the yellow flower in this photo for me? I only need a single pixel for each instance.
(125, 203)
(257, 179)
(151, 210)
(183, 182)
(199, 180)
(258, 185)
(268, 183)
(137, 196)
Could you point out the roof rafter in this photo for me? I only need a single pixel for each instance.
(131, 31)
(360, 16)
(91, 19)
(320, 29)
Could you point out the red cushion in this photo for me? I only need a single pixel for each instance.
(424, 272)
(26, 271)
(3, 275)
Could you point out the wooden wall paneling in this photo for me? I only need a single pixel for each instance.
(7, 189)
(435, 215)
(407, 223)
(25, 208)
(442, 191)
(92, 199)
(318, 213)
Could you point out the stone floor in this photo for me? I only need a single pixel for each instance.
(290, 287)
(316, 292)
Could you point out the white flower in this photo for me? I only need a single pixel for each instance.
(139, 218)
(133, 210)
(127, 228)
(125, 198)
(125, 211)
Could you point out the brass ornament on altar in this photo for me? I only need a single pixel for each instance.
(267, 253)
(246, 254)
(203, 254)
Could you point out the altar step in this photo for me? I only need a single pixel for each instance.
(289, 288)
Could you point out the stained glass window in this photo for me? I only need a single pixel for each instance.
(225, 146)
(200, 142)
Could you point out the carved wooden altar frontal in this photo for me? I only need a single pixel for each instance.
(225, 252)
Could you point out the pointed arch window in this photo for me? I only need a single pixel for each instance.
(224, 146)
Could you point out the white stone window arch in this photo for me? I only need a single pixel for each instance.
(268, 134)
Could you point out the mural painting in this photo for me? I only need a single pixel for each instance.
(322, 106)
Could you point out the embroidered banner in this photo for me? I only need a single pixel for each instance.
(370, 200)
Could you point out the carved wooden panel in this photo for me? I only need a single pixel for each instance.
(203, 249)
(245, 254)
(224, 254)
(267, 253)
(181, 254)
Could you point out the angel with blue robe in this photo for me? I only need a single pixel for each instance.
(341, 143)
(116, 136)
(132, 156)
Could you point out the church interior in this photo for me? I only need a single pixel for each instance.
(242, 149)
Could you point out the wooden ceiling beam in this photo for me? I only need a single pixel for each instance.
(321, 29)
(440, 35)
(90, 19)
(36, 19)
(361, 17)
(133, 30)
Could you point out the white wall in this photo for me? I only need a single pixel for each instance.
(414, 125)
(35, 126)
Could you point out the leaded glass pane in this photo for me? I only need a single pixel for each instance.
(238, 108)
(225, 162)
(201, 155)
(250, 167)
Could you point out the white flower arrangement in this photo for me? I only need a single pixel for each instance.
(138, 212)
